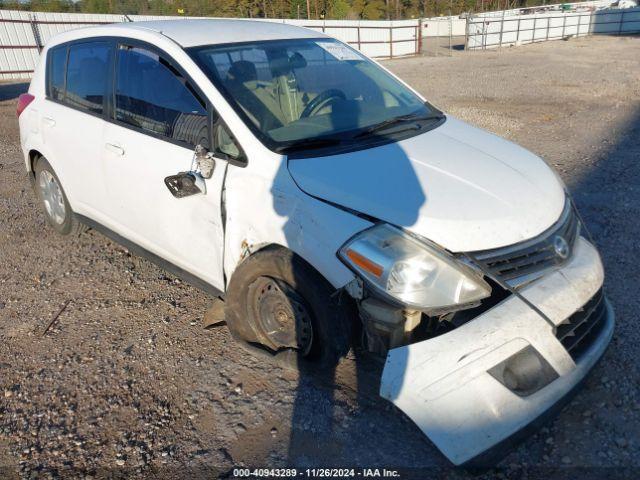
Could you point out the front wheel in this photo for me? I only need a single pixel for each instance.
(53, 199)
(278, 301)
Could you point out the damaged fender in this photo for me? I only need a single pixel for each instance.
(448, 387)
(292, 219)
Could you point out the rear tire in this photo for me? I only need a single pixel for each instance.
(54, 201)
(277, 301)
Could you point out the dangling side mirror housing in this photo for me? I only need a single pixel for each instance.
(185, 184)
(205, 163)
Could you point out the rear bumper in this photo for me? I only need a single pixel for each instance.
(445, 385)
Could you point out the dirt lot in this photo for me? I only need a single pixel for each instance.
(127, 381)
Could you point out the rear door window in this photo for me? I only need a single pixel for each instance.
(87, 76)
(153, 96)
(56, 72)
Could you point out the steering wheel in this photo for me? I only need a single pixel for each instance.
(321, 100)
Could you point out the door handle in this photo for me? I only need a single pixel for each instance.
(49, 121)
(118, 150)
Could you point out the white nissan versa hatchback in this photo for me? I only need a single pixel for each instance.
(318, 195)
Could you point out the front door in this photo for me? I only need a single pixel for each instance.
(158, 118)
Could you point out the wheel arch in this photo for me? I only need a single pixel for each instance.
(33, 157)
(309, 241)
(248, 250)
(35, 153)
(275, 247)
(337, 314)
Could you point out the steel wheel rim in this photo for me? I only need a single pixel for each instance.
(282, 316)
(52, 197)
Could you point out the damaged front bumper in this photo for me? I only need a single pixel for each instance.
(451, 386)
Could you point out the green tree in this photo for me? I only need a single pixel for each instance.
(374, 10)
(352, 9)
(357, 7)
(95, 6)
(338, 9)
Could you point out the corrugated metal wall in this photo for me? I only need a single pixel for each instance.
(18, 52)
(22, 35)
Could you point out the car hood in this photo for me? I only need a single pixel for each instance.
(459, 186)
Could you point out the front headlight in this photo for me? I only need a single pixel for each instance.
(411, 271)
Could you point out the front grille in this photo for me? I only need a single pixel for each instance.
(526, 261)
(580, 330)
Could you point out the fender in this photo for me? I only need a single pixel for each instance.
(311, 228)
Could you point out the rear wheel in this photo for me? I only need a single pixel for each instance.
(53, 199)
(278, 301)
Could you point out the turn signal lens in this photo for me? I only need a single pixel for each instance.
(364, 263)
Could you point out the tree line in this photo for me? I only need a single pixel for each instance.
(315, 9)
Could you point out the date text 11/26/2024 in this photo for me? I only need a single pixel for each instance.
(315, 473)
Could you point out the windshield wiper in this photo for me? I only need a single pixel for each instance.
(397, 121)
(322, 142)
(309, 143)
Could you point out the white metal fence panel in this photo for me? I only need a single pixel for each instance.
(23, 34)
(492, 32)
(51, 23)
(375, 38)
(404, 37)
(18, 53)
(440, 26)
(558, 7)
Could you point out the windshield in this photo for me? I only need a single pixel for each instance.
(307, 93)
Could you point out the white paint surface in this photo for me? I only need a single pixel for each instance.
(442, 384)
(456, 185)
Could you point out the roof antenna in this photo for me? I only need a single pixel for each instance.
(127, 18)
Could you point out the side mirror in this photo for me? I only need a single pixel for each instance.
(205, 163)
(185, 184)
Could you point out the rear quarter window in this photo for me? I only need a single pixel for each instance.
(56, 72)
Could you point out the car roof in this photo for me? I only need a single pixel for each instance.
(194, 32)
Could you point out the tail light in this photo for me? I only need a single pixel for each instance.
(23, 101)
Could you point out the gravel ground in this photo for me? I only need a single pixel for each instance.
(439, 46)
(127, 382)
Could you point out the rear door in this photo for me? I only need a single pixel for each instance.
(158, 118)
(73, 118)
